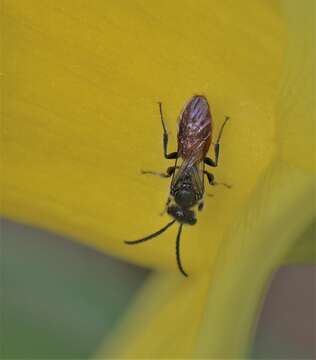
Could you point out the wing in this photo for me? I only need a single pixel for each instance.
(191, 170)
(197, 176)
(195, 130)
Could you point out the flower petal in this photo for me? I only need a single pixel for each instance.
(296, 112)
(197, 318)
(163, 322)
(277, 215)
(81, 82)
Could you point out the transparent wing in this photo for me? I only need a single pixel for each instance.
(194, 170)
(198, 177)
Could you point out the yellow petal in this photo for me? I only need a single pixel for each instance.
(296, 111)
(81, 85)
(277, 215)
(279, 211)
(163, 322)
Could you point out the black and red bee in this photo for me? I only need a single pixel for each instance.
(187, 185)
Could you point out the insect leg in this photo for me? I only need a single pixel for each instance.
(200, 206)
(172, 155)
(210, 177)
(209, 161)
(211, 180)
(166, 206)
(169, 172)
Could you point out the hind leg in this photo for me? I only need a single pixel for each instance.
(209, 161)
(172, 155)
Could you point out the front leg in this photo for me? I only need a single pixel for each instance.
(172, 155)
(166, 206)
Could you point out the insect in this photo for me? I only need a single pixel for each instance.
(188, 172)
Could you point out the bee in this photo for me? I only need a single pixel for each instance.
(188, 172)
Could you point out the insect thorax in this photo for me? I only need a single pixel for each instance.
(184, 193)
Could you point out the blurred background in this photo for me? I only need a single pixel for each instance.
(60, 299)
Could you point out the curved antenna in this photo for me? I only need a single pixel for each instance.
(150, 236)
(178, 251)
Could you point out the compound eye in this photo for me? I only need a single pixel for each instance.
(175, 211)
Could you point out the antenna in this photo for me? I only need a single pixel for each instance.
(178, 251)
(152, 235)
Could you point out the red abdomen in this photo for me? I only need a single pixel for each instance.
(195, 129)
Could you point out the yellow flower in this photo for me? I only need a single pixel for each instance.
(81, 84)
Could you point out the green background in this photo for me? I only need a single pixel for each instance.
(60, 299)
